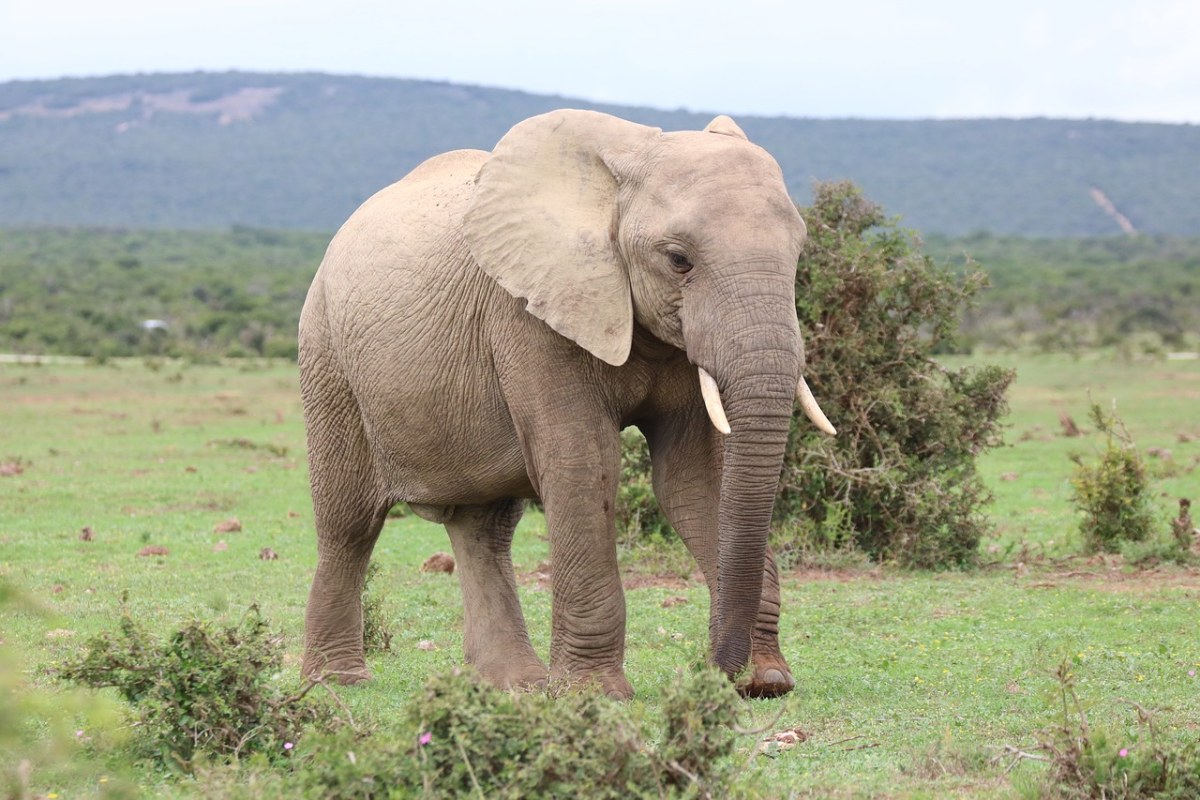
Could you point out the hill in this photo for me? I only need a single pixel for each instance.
(303, 150)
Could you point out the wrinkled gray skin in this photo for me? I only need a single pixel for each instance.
(481, 331)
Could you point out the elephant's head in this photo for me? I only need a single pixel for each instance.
(598, 222)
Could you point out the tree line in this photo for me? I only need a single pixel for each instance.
(238, 292)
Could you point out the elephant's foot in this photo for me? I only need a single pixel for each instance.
(612, 682)
(513, 674)
(768, 676)
(343, 671)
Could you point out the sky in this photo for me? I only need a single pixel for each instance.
(1135, 60)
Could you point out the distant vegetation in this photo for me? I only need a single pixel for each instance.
(301, 151)
(90, 292)
(239, 291)
(1140, 294)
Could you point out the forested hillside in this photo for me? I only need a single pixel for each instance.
(302, 151)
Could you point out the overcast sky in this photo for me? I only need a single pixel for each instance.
(1121, 59)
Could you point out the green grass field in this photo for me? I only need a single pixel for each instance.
(909, 685)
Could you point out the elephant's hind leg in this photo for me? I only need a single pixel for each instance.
(495, 639)
(349, 511)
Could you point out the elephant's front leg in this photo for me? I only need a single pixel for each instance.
(686, 454)
(577, 471)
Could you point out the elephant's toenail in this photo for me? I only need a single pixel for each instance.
(774, 676)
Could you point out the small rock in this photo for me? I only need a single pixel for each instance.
(439, 562)
(189, 469)
(427, 645)
(783, 740)
(267, 554)
(231, 525)
(10, 468)
(86, 534)
(153, 550)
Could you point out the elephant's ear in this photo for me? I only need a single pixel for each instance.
(726, 127)
(543, 224)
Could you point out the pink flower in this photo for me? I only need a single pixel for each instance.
(1124, 751)
(1191, 673)
(288, 745)
(425, 739)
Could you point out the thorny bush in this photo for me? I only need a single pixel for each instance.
(203, 690)
(899, 481)
(461, 737)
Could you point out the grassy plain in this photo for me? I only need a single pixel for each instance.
(909, 685)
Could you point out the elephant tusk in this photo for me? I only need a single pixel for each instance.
(712, 401)
(811, 410)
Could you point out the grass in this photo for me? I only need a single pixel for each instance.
(909, 684)
(1031, 474)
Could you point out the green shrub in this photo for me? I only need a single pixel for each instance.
(1113, 493)
(461, 737)
(899, 480)
(377, 630)
(202, 690)
(638, 515)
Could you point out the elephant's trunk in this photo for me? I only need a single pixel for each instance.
(754, 451)
(746, 342)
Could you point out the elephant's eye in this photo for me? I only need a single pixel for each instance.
(679, 262)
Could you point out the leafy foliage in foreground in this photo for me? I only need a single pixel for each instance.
(1091, 762)
(40, 730)
(899, 480)
(214, 692)
(464, 738)
(203, 690)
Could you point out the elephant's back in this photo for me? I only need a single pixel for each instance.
(401, 248)
(405, 311)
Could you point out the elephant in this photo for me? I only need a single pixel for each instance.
(480, 332)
